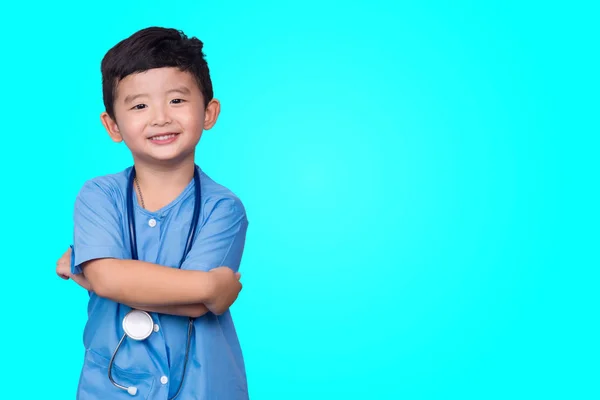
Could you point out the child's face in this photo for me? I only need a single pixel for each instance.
(160, 115)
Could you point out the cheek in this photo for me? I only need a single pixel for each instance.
(132, 128)
(192, 120)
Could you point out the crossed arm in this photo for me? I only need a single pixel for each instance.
(154, 288)
(193, 291)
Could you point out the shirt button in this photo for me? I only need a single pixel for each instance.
(164, 380)
(156, 328)
(152, 223)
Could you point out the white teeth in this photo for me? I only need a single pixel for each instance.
(163, 137)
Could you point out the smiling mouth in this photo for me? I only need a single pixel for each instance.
(163, 137)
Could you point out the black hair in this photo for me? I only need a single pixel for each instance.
(150, 48)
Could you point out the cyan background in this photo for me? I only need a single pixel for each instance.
(421, 180)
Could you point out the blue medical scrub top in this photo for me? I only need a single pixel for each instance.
(215, 368)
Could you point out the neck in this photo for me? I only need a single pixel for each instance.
(160, 185)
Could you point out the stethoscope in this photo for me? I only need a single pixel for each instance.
(138, 324)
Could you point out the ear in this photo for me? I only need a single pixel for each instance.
(211, 113)
(111, 127)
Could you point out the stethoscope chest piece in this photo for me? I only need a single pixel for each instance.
(138, 325)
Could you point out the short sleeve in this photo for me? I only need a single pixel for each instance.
(221, 239)
(97, 229)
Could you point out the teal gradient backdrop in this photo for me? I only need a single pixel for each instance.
(421, 180)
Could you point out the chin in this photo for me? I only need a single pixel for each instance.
(173, 158)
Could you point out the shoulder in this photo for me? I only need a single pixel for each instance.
(106, 187)
(219, 199)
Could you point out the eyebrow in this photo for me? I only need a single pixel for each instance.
(182, 90)
(130, 98)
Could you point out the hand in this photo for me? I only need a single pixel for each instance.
(225, 287)
(63, 265)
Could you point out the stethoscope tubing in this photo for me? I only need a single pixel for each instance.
(134, 256)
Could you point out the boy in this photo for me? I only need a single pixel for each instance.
(158, 97)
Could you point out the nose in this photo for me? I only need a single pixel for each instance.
(160, 116)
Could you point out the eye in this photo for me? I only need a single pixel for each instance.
(177, 101)
(138, 107)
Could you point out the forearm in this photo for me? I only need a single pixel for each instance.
(150, 285)
(184, 310)
(82, 281)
